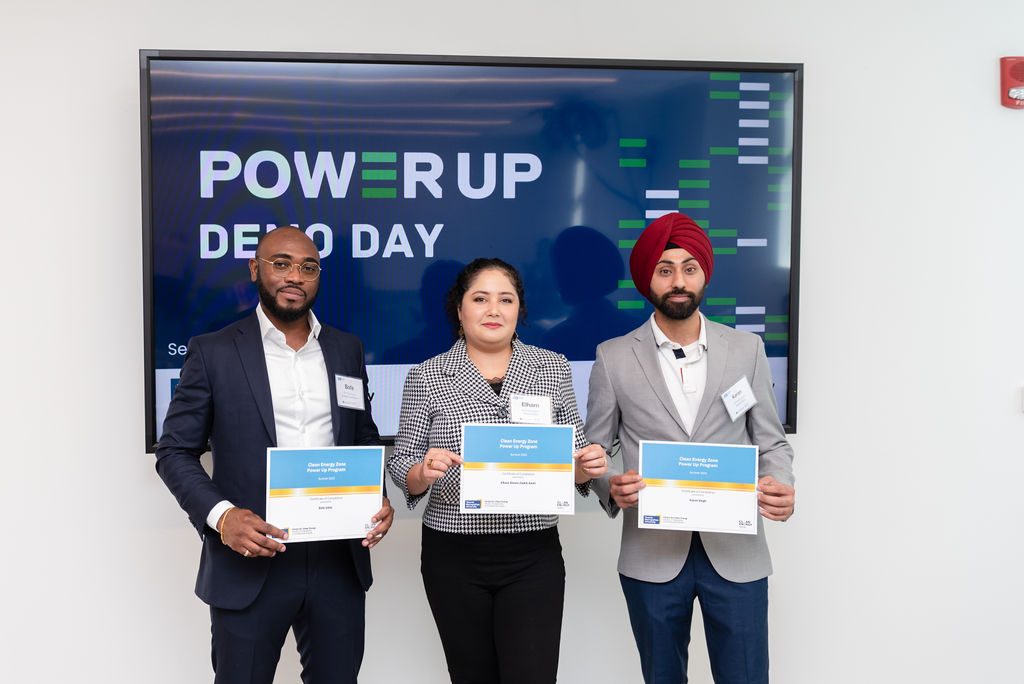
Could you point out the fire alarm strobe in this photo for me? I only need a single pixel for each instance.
(1012, 82)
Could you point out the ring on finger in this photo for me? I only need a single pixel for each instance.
(246, 553)
(430, 462)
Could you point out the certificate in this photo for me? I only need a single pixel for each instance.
(700, 487)
(324, 492)
(517, 469)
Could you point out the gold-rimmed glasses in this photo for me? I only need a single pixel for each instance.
(309, 270)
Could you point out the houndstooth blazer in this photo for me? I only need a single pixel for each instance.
(443, 393)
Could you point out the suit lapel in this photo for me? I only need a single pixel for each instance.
(718, 354)
(466, 378)
(330, 351)
(254, 366)
(522, 371)
(646, 352)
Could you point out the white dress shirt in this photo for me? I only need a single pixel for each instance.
(299, 392)
(685, 377)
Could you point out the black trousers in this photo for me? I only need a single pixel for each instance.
(313, 589)
(497, 601)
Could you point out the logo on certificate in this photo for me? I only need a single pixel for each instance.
(652, 520)
(473, 503)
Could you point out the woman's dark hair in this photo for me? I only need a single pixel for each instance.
(458, 290)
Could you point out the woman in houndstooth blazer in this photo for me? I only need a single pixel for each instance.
(495, 583)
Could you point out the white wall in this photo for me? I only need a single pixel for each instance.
(902, 561)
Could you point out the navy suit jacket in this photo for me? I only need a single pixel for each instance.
(223, 397)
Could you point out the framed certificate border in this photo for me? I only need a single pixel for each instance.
(324, 493)
(698, 487)
(517, 468)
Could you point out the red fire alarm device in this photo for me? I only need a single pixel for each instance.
(1012, 88)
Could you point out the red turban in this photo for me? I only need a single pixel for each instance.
(679, 229)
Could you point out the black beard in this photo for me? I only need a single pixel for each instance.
(280, 313)
(678, 311)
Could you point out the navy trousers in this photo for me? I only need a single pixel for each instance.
(313, 589)
(735, 623)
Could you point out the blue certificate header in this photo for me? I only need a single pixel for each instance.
(507, 443)
(700, 462)
(326, 467)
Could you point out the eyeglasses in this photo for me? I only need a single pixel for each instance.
(307, 269)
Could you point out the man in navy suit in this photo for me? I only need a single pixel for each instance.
(270, 380)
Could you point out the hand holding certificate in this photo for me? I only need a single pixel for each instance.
(512, 468)
(324, 493)
(699, 487)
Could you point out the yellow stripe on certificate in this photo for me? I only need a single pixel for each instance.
(481, 465)
(323, 491)
(700, 484)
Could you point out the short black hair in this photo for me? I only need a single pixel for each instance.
(458, 290)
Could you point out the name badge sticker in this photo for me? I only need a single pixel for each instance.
(739, 398)
(350, 392)
(530, 408)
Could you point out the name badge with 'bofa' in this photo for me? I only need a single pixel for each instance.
(530, 408)
(350, 392)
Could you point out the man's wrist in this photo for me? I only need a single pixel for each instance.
(213, 519)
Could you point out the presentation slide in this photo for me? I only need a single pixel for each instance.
(404, 172)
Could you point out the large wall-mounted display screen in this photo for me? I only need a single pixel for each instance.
(404, 168)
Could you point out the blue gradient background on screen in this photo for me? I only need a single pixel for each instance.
(611, 142)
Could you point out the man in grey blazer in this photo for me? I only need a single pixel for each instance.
(664, 381)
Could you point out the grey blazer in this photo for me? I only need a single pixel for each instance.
(629, 401)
